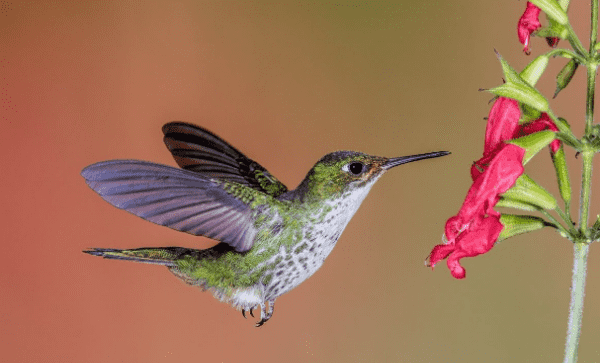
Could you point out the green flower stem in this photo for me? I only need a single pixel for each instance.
(575, 42)
(594, 29)
(586, 191)
(564, 215)
(591, 85)
(566, 53)
(581, 246)
(580, 254)
(556, 223)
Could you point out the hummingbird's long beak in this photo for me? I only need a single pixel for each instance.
(407, 159)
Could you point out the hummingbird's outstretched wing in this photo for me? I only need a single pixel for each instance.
(175, 198)
(201, 151)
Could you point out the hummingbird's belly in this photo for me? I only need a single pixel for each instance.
(294, 264)
(297, 264)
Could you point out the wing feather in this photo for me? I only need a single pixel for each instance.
(203, 152)
(175, 198)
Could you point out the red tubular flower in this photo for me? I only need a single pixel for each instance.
(528, 23)
(481, 236)
(476, 227)
(503, 122)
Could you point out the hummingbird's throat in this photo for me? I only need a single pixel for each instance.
(344, 206)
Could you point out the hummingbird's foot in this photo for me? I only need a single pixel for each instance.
(264, 315)
(244, 312)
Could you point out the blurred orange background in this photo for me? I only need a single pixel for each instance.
(285, 83)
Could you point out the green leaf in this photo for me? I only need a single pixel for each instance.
(533, 143)
(517, 224)
(565, 76)
(526, 190)
(553, 10)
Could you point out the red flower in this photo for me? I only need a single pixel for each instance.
(528, 23)
(502, 125)
(476, 227)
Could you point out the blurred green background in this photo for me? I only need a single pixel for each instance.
(286, 83)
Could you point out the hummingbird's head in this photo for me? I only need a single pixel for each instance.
(341, 172)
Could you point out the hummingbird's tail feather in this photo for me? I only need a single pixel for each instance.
(165, 256)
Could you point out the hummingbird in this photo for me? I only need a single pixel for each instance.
(270, 239)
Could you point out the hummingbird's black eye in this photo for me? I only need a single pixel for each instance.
(356, 168)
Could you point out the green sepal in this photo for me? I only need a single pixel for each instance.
(592, 139)
(528, 114)
(553, 30)
(553, 10)
(534, 70)
(565, 76)
(563, 122)
(517, 224)
(566, 136)
(564, 4)
(517, 88)
(595, 233)
(597, 47)
(533, 143)
(562, 174)
(546, 32)
(516, 204)
(525, 94)
(528, 191)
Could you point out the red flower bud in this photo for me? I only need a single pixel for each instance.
(552, 41)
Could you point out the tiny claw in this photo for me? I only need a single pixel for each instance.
(244, 313)
(251, 312)
(260, 323)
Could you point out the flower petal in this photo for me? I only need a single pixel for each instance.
(476, 227)
(502, 125)
(528, 23)
(503, 121)
(439, 253)
(479, 239)
(500, 175)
